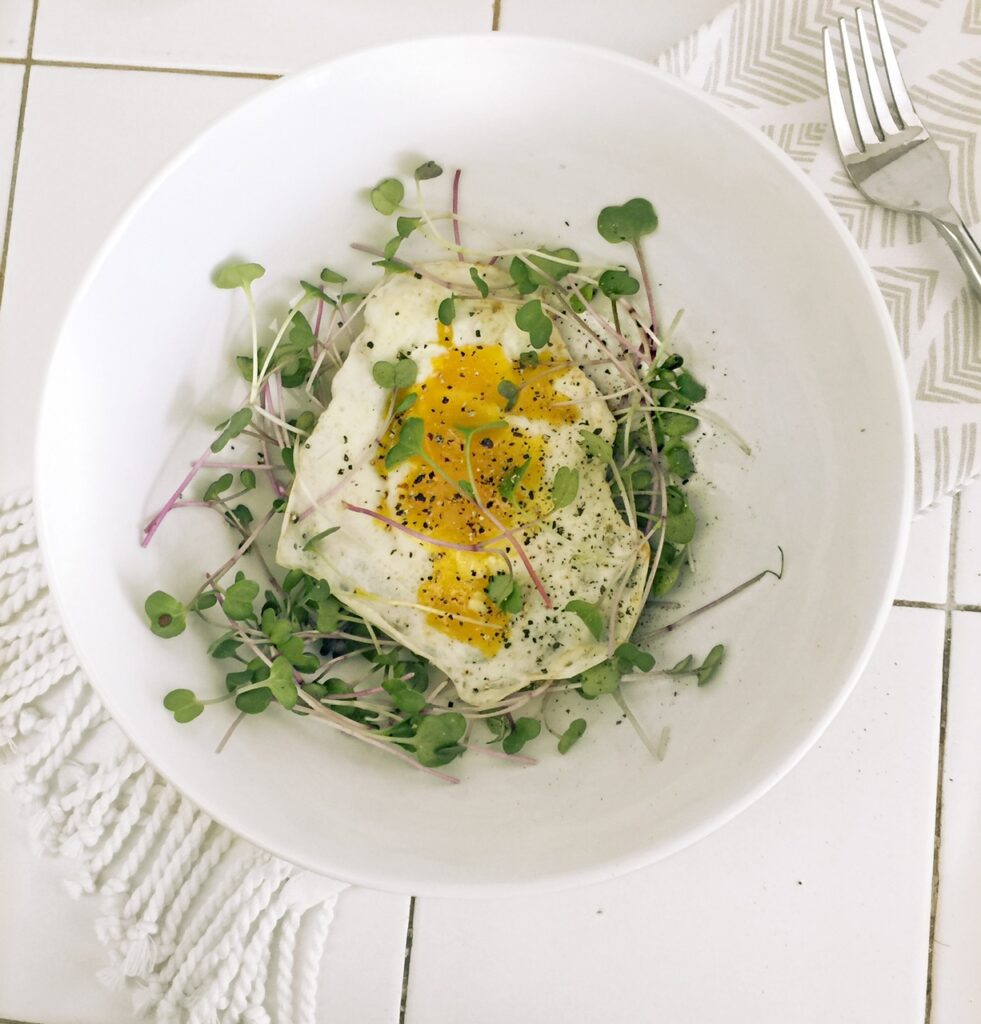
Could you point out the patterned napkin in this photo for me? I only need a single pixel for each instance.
(201, 926)
(763, 59)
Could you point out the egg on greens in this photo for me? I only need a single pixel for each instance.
(469, 510)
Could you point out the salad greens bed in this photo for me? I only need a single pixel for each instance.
(283, 637)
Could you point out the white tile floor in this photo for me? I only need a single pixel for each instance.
(814, 905)
(15, 27)
(240, 35)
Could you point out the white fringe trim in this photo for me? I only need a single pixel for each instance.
(199, 925)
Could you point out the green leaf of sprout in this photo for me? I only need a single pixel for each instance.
(503, 590)
(408, 445)
(509, 392)
(328, 614)
(683, 666)
(565, 486)
(407, 700)
(384, 374)
(329, 276)
(521, 276)
(572, 735)
(587, 291)
(391, 266)
(239, 597)
(247, 478)
(618, 282)
(405, 372)
(479, 283)
(184, 705)
(306, 421)
(552, 263)
(216, 487)
(589, 614)
(417, 673)
(281, 683)
(676, 424)
(288, 460)
(205, 600)
(430, 169)
(679, 460)
(406, 225)
(447, 311)
(179, 699)
(407, 403)
(498, 726)
(534, 321)
(392, 246)
(317, 537)
(600, 679)
(313, 292)
(710, 665)
(690, 388)
(467, 488)
(167, 615)
(387, 195)
(254, 702)
(226, 646)
(231, 428)
(528, 359)
(628, 656)
(525, 730)
(680, 527)
(627, 223)
(241, 516)
(437, 737)
(237, 275)
(596, 446)
(511, 479)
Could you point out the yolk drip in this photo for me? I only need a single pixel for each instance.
(461, 391)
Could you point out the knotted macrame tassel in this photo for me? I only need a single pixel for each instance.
(200, 926)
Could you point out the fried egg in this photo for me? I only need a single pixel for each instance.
(413, 553)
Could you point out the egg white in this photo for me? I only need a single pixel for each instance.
(580, 552)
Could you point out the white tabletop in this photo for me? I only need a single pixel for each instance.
(832, 899)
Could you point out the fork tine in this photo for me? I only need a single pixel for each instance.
(863, 122)
(893, 75)
(839, 118)
(882, 112)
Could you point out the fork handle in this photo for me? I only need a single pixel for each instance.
(954, 232)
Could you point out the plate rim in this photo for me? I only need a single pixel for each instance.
(626, 863)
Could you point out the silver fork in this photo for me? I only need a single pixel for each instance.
(894, 162)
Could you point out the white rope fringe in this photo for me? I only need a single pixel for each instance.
(199, 925)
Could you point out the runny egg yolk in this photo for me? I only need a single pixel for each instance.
(459, 394)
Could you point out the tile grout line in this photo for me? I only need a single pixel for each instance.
(265, 76)
(949, 608)
(21, 115)
(936, 606)
(408, 959)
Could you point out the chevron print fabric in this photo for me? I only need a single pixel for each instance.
(763, 58)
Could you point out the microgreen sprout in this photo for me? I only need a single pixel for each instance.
(312, 543)
(282, 636)
(512, 478)
(573, 733)
(387, 195)
(565, 487)
(534, 321)
(479, 283)
(509, 392)
(589, 614)
(426, 171)
(446, 313)
(503, 590)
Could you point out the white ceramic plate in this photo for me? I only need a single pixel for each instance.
(783, 323)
